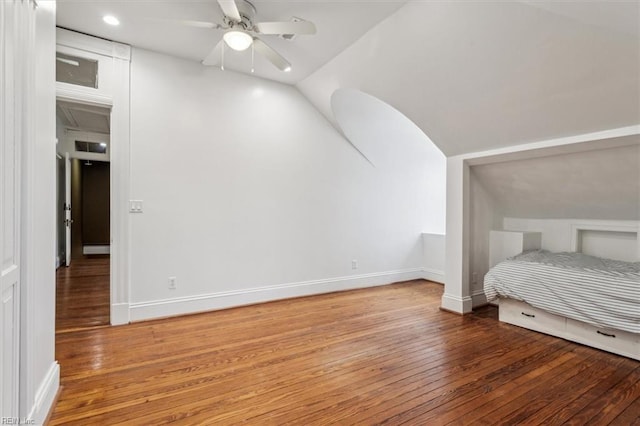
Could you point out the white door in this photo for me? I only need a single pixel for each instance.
(10, 137)
(67, 209)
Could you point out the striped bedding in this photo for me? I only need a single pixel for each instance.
(601, 292)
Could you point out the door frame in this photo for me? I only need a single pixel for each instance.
(67, 209)
(114, 59)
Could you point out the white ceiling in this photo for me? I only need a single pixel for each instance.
(147, 24)
(599, 184)
(481, 75)
(472, 75)
(620, 16)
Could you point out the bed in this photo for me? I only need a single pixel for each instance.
(586, 299)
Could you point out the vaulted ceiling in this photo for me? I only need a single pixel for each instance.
(155, 25)
(482, 75)
(472, 75)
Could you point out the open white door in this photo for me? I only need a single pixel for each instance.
(67, 209)
(10, 146)
(9, 275)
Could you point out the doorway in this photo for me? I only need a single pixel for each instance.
(83, 216)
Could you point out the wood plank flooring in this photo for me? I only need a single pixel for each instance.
(385, 355)
(82, 294)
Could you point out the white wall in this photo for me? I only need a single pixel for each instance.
(395, 146)
(250, 194)
(433, 249)
(485, 214)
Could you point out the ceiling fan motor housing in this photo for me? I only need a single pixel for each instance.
(247, 12)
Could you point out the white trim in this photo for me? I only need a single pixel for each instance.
(120, 270)
(45, 395)
(227, 299)
(433, 275)
(612, 226)
(456, 296)
(460, 305)
(612, 138)
(92, 44)
(96, 249)
(119, 313)
(69, 93)
(114, 94)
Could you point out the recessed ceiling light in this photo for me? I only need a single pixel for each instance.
(111, 20)
(287, 69)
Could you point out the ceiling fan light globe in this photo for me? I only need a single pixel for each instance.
(237, 39)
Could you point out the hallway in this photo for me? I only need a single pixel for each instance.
(82, 294)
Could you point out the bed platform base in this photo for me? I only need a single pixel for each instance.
(616, 341)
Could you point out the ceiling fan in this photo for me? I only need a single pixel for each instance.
(242, 30)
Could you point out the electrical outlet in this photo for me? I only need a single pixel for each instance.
(172, 283)
(354, 264)
(474, 278)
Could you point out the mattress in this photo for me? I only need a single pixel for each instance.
(601, 292)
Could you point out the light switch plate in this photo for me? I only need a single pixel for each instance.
(135, 206)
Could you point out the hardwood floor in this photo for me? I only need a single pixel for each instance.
(82, 294)
(385, 355)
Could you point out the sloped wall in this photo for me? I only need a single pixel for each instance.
(482, 75)
(599, 184)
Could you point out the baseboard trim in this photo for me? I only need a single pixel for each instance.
(208, 302)
(45, 395)
(119, 313)
(433, 275)
(106, 249)
(456, 304)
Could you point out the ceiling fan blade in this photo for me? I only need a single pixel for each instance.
(68, 61)
(188, 23)
(199, 24)
(213, 58)
(230, 10)
(274, 57)
(293, 27)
